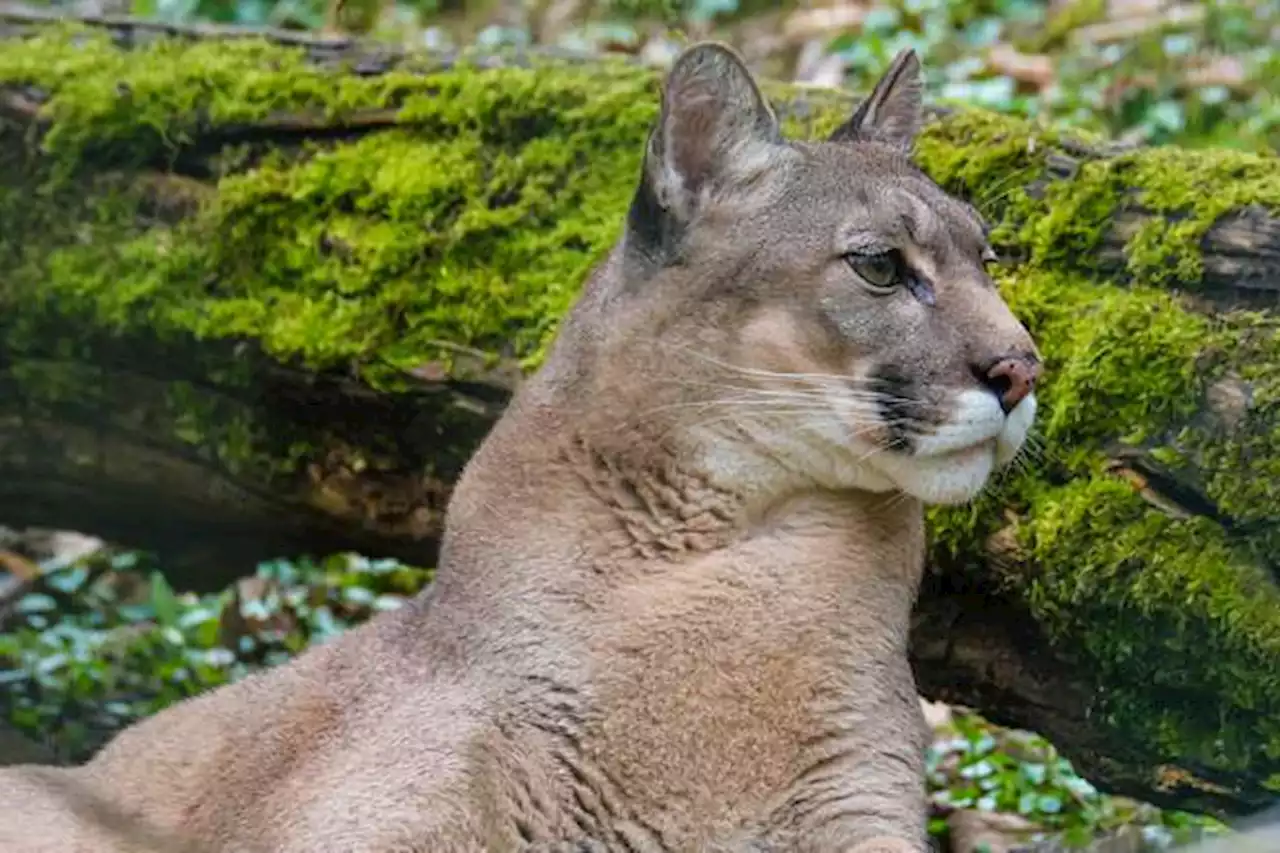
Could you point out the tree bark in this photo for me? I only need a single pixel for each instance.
(246, 312)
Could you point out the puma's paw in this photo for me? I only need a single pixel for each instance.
(886, 844)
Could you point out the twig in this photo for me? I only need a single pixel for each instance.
(19, 566)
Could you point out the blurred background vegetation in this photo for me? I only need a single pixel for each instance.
(1190, 72)
(92, 637)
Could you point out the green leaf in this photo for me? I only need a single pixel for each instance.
(1034, 773)
(164, 603)
(37, 602)
(1049, 804)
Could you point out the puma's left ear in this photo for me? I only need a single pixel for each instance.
(715, 129)
(894, 111)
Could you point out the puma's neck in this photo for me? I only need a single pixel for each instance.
(596, 490)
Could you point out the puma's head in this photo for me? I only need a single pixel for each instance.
(823, 306)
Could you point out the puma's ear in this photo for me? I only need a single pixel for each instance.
(715, 129)
(894, 111)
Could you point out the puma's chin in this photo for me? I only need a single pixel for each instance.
(949, 478)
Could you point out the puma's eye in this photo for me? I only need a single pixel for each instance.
(882, 270)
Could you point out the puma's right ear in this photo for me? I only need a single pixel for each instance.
(894, 111)
(715, 129)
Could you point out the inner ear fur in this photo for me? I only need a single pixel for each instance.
(715, 129)
(894, 111)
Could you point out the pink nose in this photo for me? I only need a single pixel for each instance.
(1012, 379)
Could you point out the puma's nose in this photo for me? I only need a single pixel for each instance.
(1011, 379)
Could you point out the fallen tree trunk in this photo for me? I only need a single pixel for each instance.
(261, 299)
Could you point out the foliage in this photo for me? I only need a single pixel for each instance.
(1197, 76)
(973, 764)
(105, 641)
(1141, 88)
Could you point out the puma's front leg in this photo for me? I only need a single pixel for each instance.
(862, 789)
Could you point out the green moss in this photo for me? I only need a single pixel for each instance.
(1188, 192)
(152, 99)
(1124, 364)
(1190, 663)
(373, 251)
(155, 97)
(474, 228)
(1240, 452)
(1162, 200)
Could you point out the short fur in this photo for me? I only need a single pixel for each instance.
(672, 605)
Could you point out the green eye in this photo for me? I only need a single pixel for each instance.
(882, 271)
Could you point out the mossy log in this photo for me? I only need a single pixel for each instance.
(260, 298)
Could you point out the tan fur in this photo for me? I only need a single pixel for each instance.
(672, 604)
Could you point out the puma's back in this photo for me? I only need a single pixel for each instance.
(673, 597)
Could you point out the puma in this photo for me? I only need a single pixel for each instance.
(672, 604)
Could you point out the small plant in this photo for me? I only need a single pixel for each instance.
(106, 642)
(973, 764)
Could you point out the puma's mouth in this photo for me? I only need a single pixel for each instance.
(941, 459)
(953, 462)
(979, 423)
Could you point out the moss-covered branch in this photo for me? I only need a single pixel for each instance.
(251, 301)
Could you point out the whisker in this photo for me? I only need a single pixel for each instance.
(854, 430)
(1005, 188)
(892, 500)
(754, 398)
(793, 412)
(1038, 448)
(738, 402)
(756, 371)
(840, 380)
(841, 389)
(792, 394)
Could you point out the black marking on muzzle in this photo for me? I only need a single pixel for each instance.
(896, 405)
